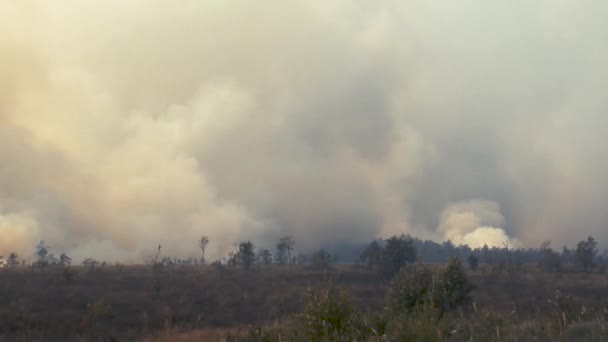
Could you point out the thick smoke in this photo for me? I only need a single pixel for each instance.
(475, 223)
(128, 124)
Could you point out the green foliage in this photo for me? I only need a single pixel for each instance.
(417, 289)
(451, 287)
(473, 261)
(90, 264)
(264, 257)
(372, 255)
(246, 254)
(285, 250)
(328, 313)
(42, 255)
(586, 251)
(410, 289)
(550, 260)
(13, 260)
(398, 251)
(65, 260)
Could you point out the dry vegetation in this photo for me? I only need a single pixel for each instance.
(210, 303)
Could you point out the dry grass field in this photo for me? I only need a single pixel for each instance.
(203, 303)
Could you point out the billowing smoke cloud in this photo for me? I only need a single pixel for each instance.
(475, 223)
(128, 124)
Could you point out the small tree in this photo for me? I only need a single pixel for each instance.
(410, 289)
(246, 254)
(90, 263)
(451, 287)
(13, 260)
(285, 249)
(203, 246)
(328, 315)
(372, 254)
(567, 255)
(155, 260)
(398, 251)
(321, 259)
(42, 255)
(65, 260)
(233, 260)
(264, 257)
(550, 260)
(473, 261)
(586, 251)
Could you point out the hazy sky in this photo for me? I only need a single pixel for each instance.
(125, 124)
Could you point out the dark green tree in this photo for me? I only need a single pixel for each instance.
(371, 255)
(451, 287)
(13, 260)
(264, 257)
(42, 255)
(65, 260)
(473, 261)
(285, 250)
(550, 260)
(398, 251)
(328, 315)
(586, 251)
(410, 289)
(246, 254)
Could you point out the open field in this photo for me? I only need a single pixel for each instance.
(202, 303)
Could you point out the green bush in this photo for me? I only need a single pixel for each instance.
(417, 288)
(451, 287)
(410, 290)
(328, 314)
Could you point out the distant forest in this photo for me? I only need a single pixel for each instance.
(396, 250)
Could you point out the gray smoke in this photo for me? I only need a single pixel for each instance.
(128, 124)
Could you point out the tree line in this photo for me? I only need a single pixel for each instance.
(384, 255)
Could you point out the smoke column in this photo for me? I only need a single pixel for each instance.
(128, 124)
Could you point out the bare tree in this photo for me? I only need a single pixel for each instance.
(155, 260)
(203, 246)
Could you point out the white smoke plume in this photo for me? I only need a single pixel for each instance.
(125, 124)
(475, 223)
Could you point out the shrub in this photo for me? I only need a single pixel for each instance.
(417, 288)
(328, 314)
(451, 287)
(398, 251)
(410, 289)
(473, 262)
(321, 260)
